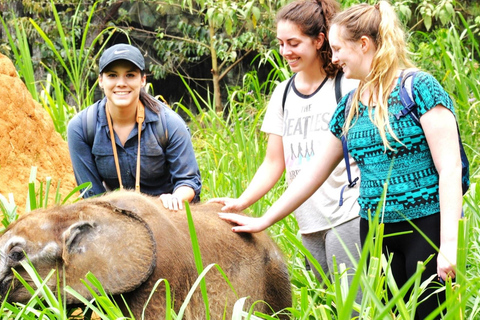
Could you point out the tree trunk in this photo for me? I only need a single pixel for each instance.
(215, 72)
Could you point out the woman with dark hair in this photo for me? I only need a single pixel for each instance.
(151, 150)
(296, 128)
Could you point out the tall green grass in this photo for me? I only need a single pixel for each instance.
(21, 51)
(37, 197)
(229, 148)
(73, 54)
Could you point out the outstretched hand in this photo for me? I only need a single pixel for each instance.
(171, 202)
(229, 204)
(244, 223)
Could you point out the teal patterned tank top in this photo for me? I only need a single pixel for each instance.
(412, 178)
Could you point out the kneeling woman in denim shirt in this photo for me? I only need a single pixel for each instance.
(167, 169)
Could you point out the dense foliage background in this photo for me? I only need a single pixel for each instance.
(216, 63)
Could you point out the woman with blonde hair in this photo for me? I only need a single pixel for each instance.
(420, 165)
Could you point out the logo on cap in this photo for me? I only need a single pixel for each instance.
(120, 51)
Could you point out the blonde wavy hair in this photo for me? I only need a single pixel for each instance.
(380, 23)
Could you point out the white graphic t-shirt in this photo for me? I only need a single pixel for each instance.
(303, 125)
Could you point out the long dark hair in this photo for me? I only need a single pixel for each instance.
(148, 100)
(313, 18)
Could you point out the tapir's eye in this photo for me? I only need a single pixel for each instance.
(16, 254)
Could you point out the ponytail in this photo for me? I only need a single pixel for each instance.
(148, 100)
(380, 23)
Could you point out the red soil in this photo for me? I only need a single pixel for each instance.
(28, 138)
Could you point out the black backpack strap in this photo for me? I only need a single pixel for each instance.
(338, 86)
(161, 132)
(348, 104)
(351, 183)
(288, 87)
(407, 97)
(89, 122)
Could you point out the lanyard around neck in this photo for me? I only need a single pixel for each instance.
(140, 118)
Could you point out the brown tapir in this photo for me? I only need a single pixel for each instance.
(129, 242)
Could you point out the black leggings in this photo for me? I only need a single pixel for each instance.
(407, 250)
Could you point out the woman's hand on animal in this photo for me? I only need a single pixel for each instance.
(447, 260)
(171, 202)
(230, 204)
(175, 201)
(244, 223)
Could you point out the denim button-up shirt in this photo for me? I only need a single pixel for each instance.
(161, 171)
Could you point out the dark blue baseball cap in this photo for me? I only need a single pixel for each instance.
(122, 51)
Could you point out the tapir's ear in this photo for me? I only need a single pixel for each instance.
(72, 237)
(115, 245)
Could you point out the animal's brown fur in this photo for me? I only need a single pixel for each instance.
(129, 241)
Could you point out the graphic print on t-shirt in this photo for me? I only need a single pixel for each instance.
(303, 127)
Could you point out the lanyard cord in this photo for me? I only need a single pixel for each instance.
(140, 118)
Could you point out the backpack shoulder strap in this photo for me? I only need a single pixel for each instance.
(407, 97)
(338, 86)
(288, 87)
(346, 158)
(89, 122)
(348, 103)
(161, 131)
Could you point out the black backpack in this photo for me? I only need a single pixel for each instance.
(89, 123)
(410, 108)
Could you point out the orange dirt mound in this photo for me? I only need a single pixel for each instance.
(28, 138)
